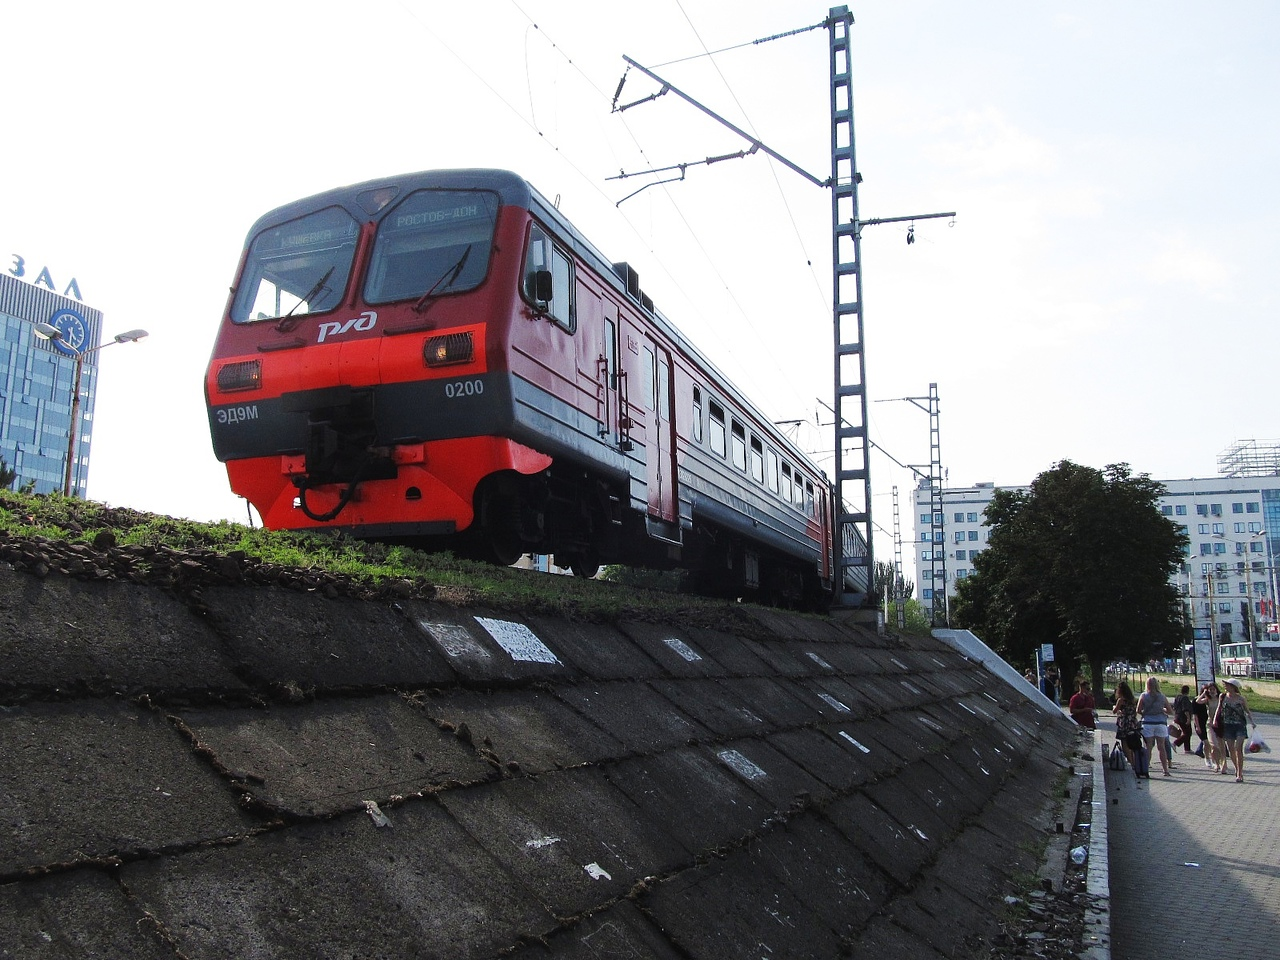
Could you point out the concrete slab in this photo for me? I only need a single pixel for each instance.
(79, 915)
(874, 832)
(712, 704)
(672, 648)
(605, 652)
(529, 728)
(797, 890)
(620, 931)
(420, 887)
(838, 769)
(281, 638)
(632, 715)
(778, 702)
(571, 837)
(732, 654)
(696, 797)
(322, 758)
(727, 910)
(103, 637)
(99, 781)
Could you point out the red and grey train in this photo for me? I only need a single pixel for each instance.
(441, 359)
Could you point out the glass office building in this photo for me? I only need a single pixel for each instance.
(36, 385)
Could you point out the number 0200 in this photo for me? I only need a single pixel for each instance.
(464, 388)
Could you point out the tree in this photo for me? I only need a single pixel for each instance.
(7, 475)
(886, 577)
(1082, 560)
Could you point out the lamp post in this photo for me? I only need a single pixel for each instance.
(47, 331)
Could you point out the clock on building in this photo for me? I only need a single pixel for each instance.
(74, 331)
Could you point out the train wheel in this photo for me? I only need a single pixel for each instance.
(497, 537)
(583, 566)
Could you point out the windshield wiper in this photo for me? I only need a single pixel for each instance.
(447, 279)
(285, 325)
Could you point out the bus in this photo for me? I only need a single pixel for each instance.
(1236, 659)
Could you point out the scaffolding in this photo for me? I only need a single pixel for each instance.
(1250, 458)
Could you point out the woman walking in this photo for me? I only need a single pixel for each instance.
(1128, 729)
(1215, 758)
(1233, 709)
(1154, 708)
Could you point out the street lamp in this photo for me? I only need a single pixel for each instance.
(47, 331)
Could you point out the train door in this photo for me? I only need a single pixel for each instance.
(611, 382)
(661, 436)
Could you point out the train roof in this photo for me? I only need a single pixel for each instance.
(513, 190)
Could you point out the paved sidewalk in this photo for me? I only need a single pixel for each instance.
(1195, 858)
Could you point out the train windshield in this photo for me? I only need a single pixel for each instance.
(297, 268)
(434, 242)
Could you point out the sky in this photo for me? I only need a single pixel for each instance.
(1106, 292)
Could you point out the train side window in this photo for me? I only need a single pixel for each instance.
(664, 389)
(717, 427)
(786, 482)
(696, 432)
(650, 380)
(798, 492)
(738, 446)
(808, 498)
(757, 460)
(771, 471)
(544, 262)
(611, 352)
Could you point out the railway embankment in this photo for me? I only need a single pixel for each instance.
(200, 760)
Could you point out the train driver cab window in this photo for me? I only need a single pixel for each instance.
(297, 268)
(717, 427)
(738, 446)
(696, 432)
(548, 279)
(432, 243)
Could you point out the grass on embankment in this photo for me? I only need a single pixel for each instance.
(451, 579)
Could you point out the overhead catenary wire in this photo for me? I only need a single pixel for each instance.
(746, 378)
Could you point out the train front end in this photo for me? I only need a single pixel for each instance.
(359, 377)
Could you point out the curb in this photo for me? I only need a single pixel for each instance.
(1097, 915)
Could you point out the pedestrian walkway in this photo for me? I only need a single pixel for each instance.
(1195, 857)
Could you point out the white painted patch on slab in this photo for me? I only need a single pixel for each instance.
(832, 701)
(898, 663)
(855, 742)
(682, 648)
(455, 641)
(741, 765)
(539, 842)
(597, 872)
(818, 660)
(914, 689)
(518, 640)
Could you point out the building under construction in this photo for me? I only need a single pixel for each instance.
(1250, 458)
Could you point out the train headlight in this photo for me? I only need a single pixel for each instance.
(448, 349)
(242, 375)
